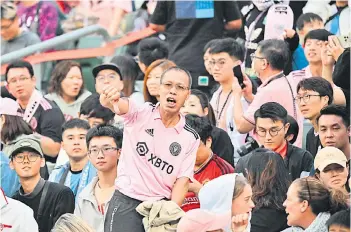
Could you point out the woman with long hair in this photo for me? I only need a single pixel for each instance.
(198, 104)
(129, 70)
(13, 128)
(66, 88)
(270, 181)
(310, 203)
(152, 79)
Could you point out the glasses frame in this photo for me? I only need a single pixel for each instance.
(100, 149)
(24, 157)
(170, 86)
(306, 98)
(253, 56)
(270, 132)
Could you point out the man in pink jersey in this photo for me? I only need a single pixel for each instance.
(269, 60)
(159, 151)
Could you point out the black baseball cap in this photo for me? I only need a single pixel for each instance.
(110, 66)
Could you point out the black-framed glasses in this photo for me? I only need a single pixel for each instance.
(31, 157)
(306, 97)
(253, 56)
(178, 87)
(93, 152)
(272, 131)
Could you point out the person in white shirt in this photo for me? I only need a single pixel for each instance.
(16, 216)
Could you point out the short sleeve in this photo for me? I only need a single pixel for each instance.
(188, 164)
(159, 16)
(231, 11)
(51, 123)
(260, 98)
(135, 112)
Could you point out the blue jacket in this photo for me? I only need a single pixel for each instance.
(9, 179)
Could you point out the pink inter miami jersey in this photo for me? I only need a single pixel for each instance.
(153, 157)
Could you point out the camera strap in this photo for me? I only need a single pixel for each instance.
(280, 75)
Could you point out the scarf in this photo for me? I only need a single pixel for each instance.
(33, 105)
(317, 225)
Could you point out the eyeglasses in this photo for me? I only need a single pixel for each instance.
(253, 56)
(19, 80)
(32, 157)
(105, 151)
(108, 77)
(306, 97)
(178, 87)
(272, 131)
(219, 63)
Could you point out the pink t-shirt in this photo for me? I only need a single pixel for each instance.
(277, 91)
(153, 156)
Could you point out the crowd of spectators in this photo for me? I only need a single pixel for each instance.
(174, 137)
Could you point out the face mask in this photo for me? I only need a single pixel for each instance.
(262, 4)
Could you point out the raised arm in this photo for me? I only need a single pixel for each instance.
(111, 98)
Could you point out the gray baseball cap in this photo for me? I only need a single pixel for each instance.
(8, 10)
(26, 143)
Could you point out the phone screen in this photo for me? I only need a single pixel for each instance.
(239, 75)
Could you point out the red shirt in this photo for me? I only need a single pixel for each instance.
(282, 150)
(214, 168)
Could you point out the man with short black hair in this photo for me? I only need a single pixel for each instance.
(269, 60)
(92, 111)
(313, 94)
(334, 128)
(48, 200)
(43, 115)
(225, 54)
(13, 37)
(78, 171)
(314, 43)
(159, 150)
(208, 165)
(339, 222)
(150, 50)
(189, 25)
(271, 121)
(104, 144)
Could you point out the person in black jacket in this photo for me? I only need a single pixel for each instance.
(271, 129)
(47, 200)
(313, 94)
(270, 182)
(198, 104)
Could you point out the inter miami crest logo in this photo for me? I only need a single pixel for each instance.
(175, 149)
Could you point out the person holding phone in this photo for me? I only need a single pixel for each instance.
(269, 61)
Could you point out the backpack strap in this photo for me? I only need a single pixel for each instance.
(42, 199)
(64, 175)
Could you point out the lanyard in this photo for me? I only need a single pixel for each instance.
(225, 103)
